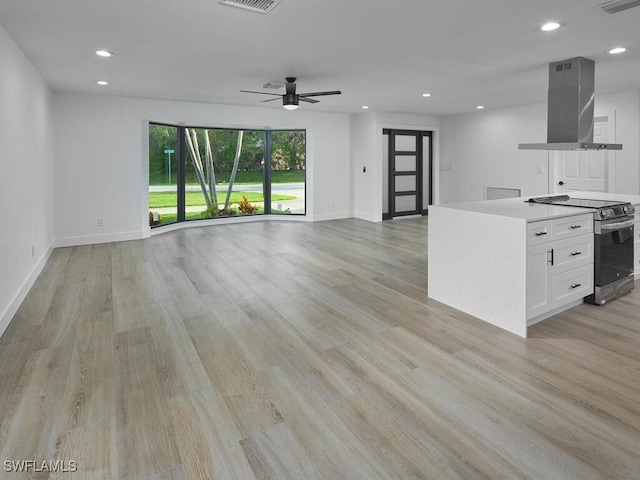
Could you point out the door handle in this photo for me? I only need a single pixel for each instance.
(560, 183)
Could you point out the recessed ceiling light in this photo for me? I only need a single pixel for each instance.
(365, 107)
(104, 53)
(427, 94)
(480, 107)
(102, 82)
(617, 50)
(550, 26)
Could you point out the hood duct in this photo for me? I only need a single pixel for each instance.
(570, 108)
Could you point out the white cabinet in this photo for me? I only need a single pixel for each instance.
(571, 253)
(538, 278)
(559, 263)
(567, 227)
(538, 232)
(571, 285)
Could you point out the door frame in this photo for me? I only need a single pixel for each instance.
(420, 134)
(554, 157)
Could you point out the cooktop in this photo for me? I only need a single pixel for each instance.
(575, 202)
(605, 208)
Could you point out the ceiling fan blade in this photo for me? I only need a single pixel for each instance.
(271, 99)
(308, 100)
(317, 94)
(261, 93)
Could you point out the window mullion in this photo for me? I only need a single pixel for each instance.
(266, 172)
(180, 184)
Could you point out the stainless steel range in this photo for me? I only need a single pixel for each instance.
(613, 240)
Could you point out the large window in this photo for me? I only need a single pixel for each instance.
(163, 174)
(203, 173)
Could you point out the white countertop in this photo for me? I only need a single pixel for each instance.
(623, 197)
(517, 208)
(531, 212)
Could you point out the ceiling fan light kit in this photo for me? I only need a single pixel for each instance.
(291, 99)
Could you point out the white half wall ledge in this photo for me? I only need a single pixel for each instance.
(11, 309)
(231, 220)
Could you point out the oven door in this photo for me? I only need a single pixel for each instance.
(613, 250)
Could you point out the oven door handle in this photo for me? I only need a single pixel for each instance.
(608, 227)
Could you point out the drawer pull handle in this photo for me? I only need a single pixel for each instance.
(573, 227)
(576, 285)
(539, 234)
(573, 254)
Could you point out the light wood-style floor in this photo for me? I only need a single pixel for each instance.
(304, 351)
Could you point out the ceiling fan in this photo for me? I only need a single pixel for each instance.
(291, 98)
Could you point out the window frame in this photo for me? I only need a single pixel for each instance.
(181, 158)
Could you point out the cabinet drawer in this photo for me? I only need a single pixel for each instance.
(538, 232)
(567, 227)
(571, 253)
(572, 285)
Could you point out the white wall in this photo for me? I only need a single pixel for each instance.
(101, 162)
(367, 185)
(482, 148)
(626, 107)
(26, 177)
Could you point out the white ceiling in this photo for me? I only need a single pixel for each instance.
(381, 53)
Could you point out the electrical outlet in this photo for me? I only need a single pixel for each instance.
(33, 250)
(541, 169)
(101, 222)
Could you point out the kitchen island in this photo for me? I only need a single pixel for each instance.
(490, 259)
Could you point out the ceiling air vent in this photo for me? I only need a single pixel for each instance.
(616, 6)
(273, 85)
(258, 6)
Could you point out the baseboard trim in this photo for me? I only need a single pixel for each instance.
(95, 239)
(139, 235)
(368, 217)
(11, 309)
(323, 217)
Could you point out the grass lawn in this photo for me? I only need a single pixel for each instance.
(169, 199)
(277, 176)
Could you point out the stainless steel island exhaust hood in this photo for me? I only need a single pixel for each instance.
(570, 108)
